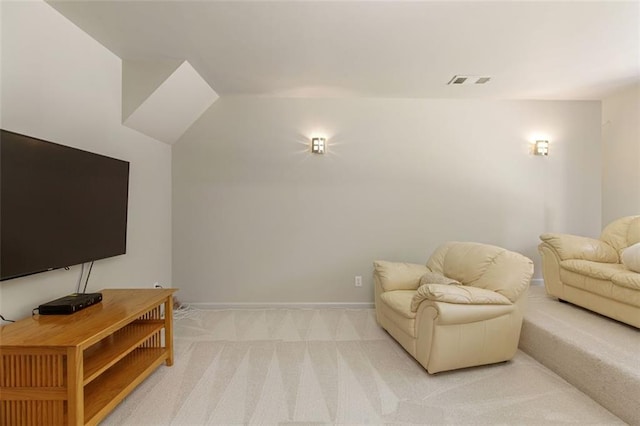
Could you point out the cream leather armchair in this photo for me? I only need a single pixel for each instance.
(450, 326)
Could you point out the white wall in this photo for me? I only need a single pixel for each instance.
(60, 85)
(621, 154)
(257, 218)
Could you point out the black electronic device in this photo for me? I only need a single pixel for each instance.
(59, 206)
(70, 304)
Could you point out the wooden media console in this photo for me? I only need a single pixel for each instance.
(74, 369)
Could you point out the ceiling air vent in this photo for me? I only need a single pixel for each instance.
(467, 80)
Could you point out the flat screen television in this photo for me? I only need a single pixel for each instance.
(59, 206)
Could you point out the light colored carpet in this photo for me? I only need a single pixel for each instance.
(335, 366)
(598, 355)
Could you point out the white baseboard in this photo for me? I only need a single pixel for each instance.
(327, 305)
(312, 305)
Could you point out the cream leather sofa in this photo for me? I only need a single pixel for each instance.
(449, 326)
(589, 272)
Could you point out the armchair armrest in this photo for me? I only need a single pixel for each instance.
(576, 247)
(453, 313)
(399, 276)
(458, 294)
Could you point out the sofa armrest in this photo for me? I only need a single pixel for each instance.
(576, 247)
(398, 276)
(458, 294)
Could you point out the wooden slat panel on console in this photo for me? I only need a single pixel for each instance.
(71, 369)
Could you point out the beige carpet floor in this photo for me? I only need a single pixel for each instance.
(598, 355)
(335, 366)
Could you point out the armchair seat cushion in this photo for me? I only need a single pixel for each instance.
(436, 278)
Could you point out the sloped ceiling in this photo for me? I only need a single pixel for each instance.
(390, 49)
(163, 106)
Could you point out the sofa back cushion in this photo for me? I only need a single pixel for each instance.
(631, 257)
(484, 266)
(622, 233)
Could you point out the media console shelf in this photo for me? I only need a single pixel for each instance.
(74, 369)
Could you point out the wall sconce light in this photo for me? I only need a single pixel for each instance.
(541, 148)
(318, 145)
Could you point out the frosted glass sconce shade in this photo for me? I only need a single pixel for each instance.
(541, 148)
(318, 145)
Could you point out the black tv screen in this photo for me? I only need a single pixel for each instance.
(59, 206)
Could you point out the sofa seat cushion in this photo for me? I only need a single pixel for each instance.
(628, 279)
(606, 288)
(603, 271)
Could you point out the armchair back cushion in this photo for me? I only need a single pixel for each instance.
(487, 267)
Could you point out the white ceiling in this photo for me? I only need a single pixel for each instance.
(388, 49)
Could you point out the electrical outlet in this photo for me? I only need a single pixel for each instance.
(358, 281)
